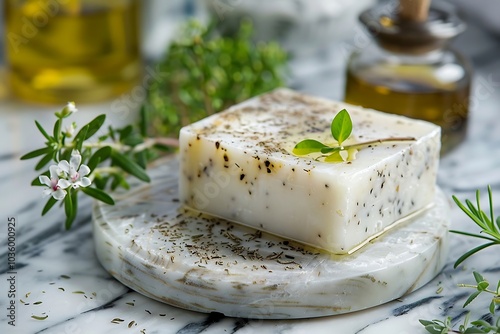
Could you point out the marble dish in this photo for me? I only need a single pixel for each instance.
(152, 244)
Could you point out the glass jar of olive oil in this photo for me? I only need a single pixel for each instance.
(72, 50)
(411, 71)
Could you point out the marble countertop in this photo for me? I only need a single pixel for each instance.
(56, 272)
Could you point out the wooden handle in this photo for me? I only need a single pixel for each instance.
(414, 10)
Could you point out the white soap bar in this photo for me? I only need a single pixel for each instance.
(239, 165)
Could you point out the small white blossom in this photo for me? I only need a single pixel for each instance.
(76, 171)
(69, 109)
(70, 130)
(55, 185)
(66, 174)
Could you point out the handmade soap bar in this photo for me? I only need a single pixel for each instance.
(239, 165)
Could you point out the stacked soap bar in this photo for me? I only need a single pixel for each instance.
(239, 165)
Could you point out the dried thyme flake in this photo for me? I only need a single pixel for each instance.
(117, 320)
(37, 303)
(39, 317)
(79, 292)
(65, 276)
(274, 256)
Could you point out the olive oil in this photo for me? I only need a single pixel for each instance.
(416, 92)
(411, 70)
(72, 50)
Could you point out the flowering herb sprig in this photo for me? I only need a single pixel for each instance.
(91, 167)
(341, 128)
(490, 231)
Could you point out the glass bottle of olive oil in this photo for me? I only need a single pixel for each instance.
(72, 50)
(411, 71)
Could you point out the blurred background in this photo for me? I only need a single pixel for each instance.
(113, 56)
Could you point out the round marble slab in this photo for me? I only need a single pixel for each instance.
(150, 243)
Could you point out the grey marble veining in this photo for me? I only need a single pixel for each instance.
(46, 252)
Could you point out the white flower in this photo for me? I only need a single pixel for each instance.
(77, 173)
(55, 185)
(69, 109)
(70, 130)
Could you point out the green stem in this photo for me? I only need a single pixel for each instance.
(326, 150)
(475, 287)
(378, 141)
(461, 285)
(148, 143)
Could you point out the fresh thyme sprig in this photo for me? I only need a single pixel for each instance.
(490, 230)
(482, 286)
(340, 128)
(91, 167)
(205, 72)
(475, 327)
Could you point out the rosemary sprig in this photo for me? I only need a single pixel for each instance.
(490, 231)
(490, 227)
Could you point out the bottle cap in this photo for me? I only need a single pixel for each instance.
(396, 33)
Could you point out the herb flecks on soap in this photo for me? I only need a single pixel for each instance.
(341, 129)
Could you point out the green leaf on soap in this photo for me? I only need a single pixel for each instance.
(308, 146)
(341, 126)
(334, 157)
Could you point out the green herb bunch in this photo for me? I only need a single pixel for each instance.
(490, 231)
(83, 165)
(204, 73)
(341, 128)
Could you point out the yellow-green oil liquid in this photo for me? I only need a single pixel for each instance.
(414, 92)
(71, 50)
